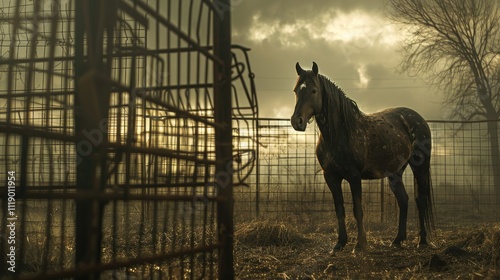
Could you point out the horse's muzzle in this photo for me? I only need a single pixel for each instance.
(298, 123)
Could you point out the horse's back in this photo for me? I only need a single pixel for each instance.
(407, 120)
(390, 136)
(414, 125)
(381, 144)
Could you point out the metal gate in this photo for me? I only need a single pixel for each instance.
(116, 138)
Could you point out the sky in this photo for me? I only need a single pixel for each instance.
(351, 41)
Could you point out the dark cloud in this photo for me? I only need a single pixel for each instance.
(287, 11)
(367, 56)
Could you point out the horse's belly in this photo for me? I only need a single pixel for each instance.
(385, 160)
(372, 174)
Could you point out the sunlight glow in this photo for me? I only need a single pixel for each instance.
(262, 30)
(283, 112)
(364, 79)
(356, 27)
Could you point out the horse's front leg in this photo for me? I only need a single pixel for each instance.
(362, 244)
(335, 185)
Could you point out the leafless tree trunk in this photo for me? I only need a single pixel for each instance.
(455, 45)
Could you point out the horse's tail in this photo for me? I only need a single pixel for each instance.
(423, 186)
(424, 191)
(420, 162)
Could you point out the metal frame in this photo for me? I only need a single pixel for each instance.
(124, 154)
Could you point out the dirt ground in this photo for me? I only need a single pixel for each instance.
(276, 250)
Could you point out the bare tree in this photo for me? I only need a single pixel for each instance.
(455, 45)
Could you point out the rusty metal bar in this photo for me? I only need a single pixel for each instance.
(110, 196)
(82, 219)
(382, 194)
(26, 130)
(84, 270)
(71, 187)
(176, 30)
(88, 55)
(129, 52)
(164, 177)
(223, 138)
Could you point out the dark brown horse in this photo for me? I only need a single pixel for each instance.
(355, 146)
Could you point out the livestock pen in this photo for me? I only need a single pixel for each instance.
(286, 220)
(290, 181)
(130, 135)
(115, 138)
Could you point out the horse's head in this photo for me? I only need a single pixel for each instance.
(307, 97)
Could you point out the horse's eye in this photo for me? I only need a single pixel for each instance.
(314, 91)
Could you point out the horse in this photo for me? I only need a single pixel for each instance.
(353, 146)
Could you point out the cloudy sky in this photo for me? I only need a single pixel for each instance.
(350, 40)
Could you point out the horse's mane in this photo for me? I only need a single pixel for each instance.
(339, 112)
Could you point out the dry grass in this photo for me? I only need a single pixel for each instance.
(134, 240)
(281, 251)
(268, 233)
(267, 249)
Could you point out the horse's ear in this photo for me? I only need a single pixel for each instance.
(299, 69)
(315, 68)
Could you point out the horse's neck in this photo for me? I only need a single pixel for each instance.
(333, 135)
(332, 126)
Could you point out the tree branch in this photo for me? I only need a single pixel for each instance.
(454, 44)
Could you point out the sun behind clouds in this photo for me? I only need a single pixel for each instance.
(333, 26)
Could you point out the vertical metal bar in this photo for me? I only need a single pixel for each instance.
(88, 212)
(257, 165)
(82, 167)
(223, 138)
(382, 200)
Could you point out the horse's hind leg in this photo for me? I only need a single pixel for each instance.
(335, 185)
(421, 174)
(420, 165)
(398, 188)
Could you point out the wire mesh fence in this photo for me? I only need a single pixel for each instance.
(124, 125)
(290, 183)
(114, 123)
(463, 173)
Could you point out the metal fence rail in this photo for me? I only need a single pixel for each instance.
(291, 185)
(115, 119)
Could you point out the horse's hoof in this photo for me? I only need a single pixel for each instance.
(422, 246)
(359, 249)
(395, 244)
(338, 247)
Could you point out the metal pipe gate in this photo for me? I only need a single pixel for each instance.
(116, 138)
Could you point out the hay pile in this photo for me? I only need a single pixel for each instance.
(486, 242)
(480, 247)
(490, 248)
(268, 233)
(278, 250)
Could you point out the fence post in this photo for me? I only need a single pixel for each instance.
(257, 169)
(382, 200)
(84, 167)
(93, 19)
(223, 137)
